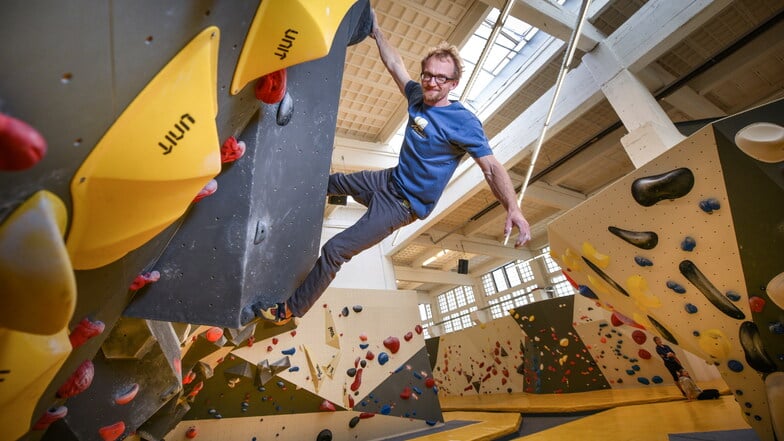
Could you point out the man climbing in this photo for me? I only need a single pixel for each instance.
(439, 133)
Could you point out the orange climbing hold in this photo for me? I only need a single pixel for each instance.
(232, 150)
(51, 415)
(191, 433)
(112, 432)
(271, 88)
(21, 146)
(213, 334)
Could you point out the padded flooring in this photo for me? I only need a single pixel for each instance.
(645, 414)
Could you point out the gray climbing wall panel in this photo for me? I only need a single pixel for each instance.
(258, 236)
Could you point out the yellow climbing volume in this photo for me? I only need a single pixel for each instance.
(285, 33)
(146, 170)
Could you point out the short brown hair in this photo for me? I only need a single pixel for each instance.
(446, 50)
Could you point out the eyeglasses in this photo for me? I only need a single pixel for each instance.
(440, 79)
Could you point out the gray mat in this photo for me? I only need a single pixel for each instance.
(723, 435)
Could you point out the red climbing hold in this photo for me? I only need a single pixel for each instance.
(430, 382)
(214, 334)
(645, 355)
(208, 189)
(50, 416)
(350, 401)
(418, 329)
(112, 432)
(369, 355)
(408, 336)
(327, 405)
(366, 415)
(757, 304)
(357, 381)
(191, 433)
(232, 150)
(143, 279)
(271, 88)
(392, 343)
(85, 330)
(128, 395)
(21, 146)
(275, 340)
(406, 394)
(79, 381)
(639, 337)
(189, 378)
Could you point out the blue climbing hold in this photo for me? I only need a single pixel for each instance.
(430, 422)
(294, 369)
(643, 261)
(643, 380)
(586, 292)
(417, 375)
(710, 205)
(735, 365)
(657, 379)
(363, 346)
(289, 351)
(732, 295)
(386, 409)
(417, 390)
(688, 244)
(383, 358)
(691, 309)
(776, 328)
(675, 286)
(630, 371)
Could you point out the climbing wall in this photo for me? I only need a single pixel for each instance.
(140, 144)
(343, 363)
(690, 247)
(484, 359)
(622, 350)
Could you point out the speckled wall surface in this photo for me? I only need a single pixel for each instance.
(689, 247)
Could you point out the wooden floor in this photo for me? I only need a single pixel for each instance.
(644, 414)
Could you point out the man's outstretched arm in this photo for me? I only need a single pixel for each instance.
(503, 190)
(390, 57)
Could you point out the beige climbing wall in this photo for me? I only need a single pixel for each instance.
(482, 359)
(298, 381)
(691, 319)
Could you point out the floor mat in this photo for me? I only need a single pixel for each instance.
(723, 435)
(449, 425)
(537, 422)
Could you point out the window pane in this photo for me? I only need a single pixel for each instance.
(526, 271)
(511, 273)
(500, 280)
(488, 285)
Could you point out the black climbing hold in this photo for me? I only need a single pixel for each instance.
(751, 342)
(606, 278)
(351, 372)
(344, 311)
(354, 421)
(324, 435)
(674, 184)
(357, 308)
(647, 240)
(695, 276)
(663, 331)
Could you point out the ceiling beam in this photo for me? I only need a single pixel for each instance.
(355, 154)
(654, 29)
(431, 276)
(553, 20)
(461, 243)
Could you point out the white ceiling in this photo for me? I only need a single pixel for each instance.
(676, 61)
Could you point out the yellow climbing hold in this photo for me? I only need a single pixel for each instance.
(599, 286)
(638, 288)
(572, 260)
(36, 278)
(601, 260)
(714, 343)
(287, 32)
(158, 155)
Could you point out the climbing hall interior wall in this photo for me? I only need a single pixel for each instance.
(561, 345)
(690, 248)
(163, 168)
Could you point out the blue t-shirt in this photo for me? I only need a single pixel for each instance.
(434, 143)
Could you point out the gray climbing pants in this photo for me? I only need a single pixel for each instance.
(387, 211)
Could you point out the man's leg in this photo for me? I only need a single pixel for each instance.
(385, 214)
